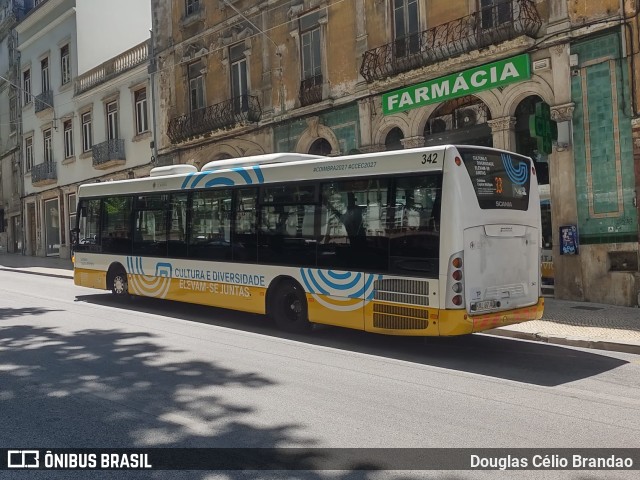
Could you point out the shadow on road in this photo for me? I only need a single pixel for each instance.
(113, 389)
(6, 313)
(500, 357)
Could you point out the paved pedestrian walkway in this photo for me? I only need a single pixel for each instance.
(582, 324)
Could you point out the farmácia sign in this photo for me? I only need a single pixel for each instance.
(484, 77)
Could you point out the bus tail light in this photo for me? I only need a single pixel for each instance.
(455, 286)
(458, 161)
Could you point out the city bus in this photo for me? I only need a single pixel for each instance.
(434, 241)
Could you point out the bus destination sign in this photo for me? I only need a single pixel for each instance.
(500, 180)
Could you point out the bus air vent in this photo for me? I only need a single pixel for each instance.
(397, 290)
(399, 318)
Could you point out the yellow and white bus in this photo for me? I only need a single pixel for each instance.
(430, 241)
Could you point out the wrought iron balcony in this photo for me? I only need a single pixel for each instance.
(44, 174)
(225, 115)
(44, 101)
(488, 26)
(311, 91)
(108, 154)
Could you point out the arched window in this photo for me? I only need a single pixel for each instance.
(320, 147)
(394, 140)
(462, 121)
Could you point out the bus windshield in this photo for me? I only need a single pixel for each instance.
(501, 180)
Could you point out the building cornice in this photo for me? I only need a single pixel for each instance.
(40, 33)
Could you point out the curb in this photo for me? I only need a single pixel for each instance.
(42, 274)
(568, 341)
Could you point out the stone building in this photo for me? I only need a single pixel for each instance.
(333, 77)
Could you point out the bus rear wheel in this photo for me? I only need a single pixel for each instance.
(289, 308)
(119, 283)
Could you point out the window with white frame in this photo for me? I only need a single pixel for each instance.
(65, 64)
(48, 152)
(196, 86)
(406, 27)
(112, 120)
(28, 153)
(311, 48)
(68, 139)
(26, 87)
(239, 88)
(44, 71)
(140, 99)
(13, 112)
(87, 135)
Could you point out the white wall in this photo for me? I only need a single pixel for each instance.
(108, 28)
(137, 148)
(48, 44)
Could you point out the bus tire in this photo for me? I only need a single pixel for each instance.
(118, 282)
(289, 307)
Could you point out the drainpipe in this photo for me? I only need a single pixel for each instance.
(152, 76)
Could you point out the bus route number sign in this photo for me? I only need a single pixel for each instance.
(430, 158)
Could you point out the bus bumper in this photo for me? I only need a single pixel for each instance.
(510, 317)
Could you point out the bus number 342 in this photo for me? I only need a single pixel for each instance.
(430, 158)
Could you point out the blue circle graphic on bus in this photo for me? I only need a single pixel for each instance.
(228, 177)
(140, 283)
(339, 290)
(518, 174)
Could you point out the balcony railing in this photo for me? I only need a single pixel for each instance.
(113, 67)
(311, 90)
(44, 174)
(488, 26)
(44, 101)
(228, 114)
(108, 154)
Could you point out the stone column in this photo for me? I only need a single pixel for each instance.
(569, 276)
(503, 131)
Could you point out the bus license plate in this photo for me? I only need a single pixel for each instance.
(486, 305)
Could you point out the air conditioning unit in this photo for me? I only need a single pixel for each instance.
(441, 124)
(472, 115)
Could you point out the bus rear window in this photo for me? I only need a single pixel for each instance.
(500, 180)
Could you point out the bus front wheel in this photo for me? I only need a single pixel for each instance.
(119, 283)
(289, 308)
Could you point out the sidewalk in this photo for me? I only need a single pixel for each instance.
(579, 324)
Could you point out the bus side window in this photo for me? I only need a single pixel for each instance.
(88, 225)
(245, 235)
(116, 225)
(352, 232)
(210, 235)
(415, 240)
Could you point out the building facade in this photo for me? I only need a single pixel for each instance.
(77, 126)
(11, 12)
(330, 77)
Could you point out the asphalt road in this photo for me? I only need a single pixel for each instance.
(79, 369)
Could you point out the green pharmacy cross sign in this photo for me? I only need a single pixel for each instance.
(542, 128)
